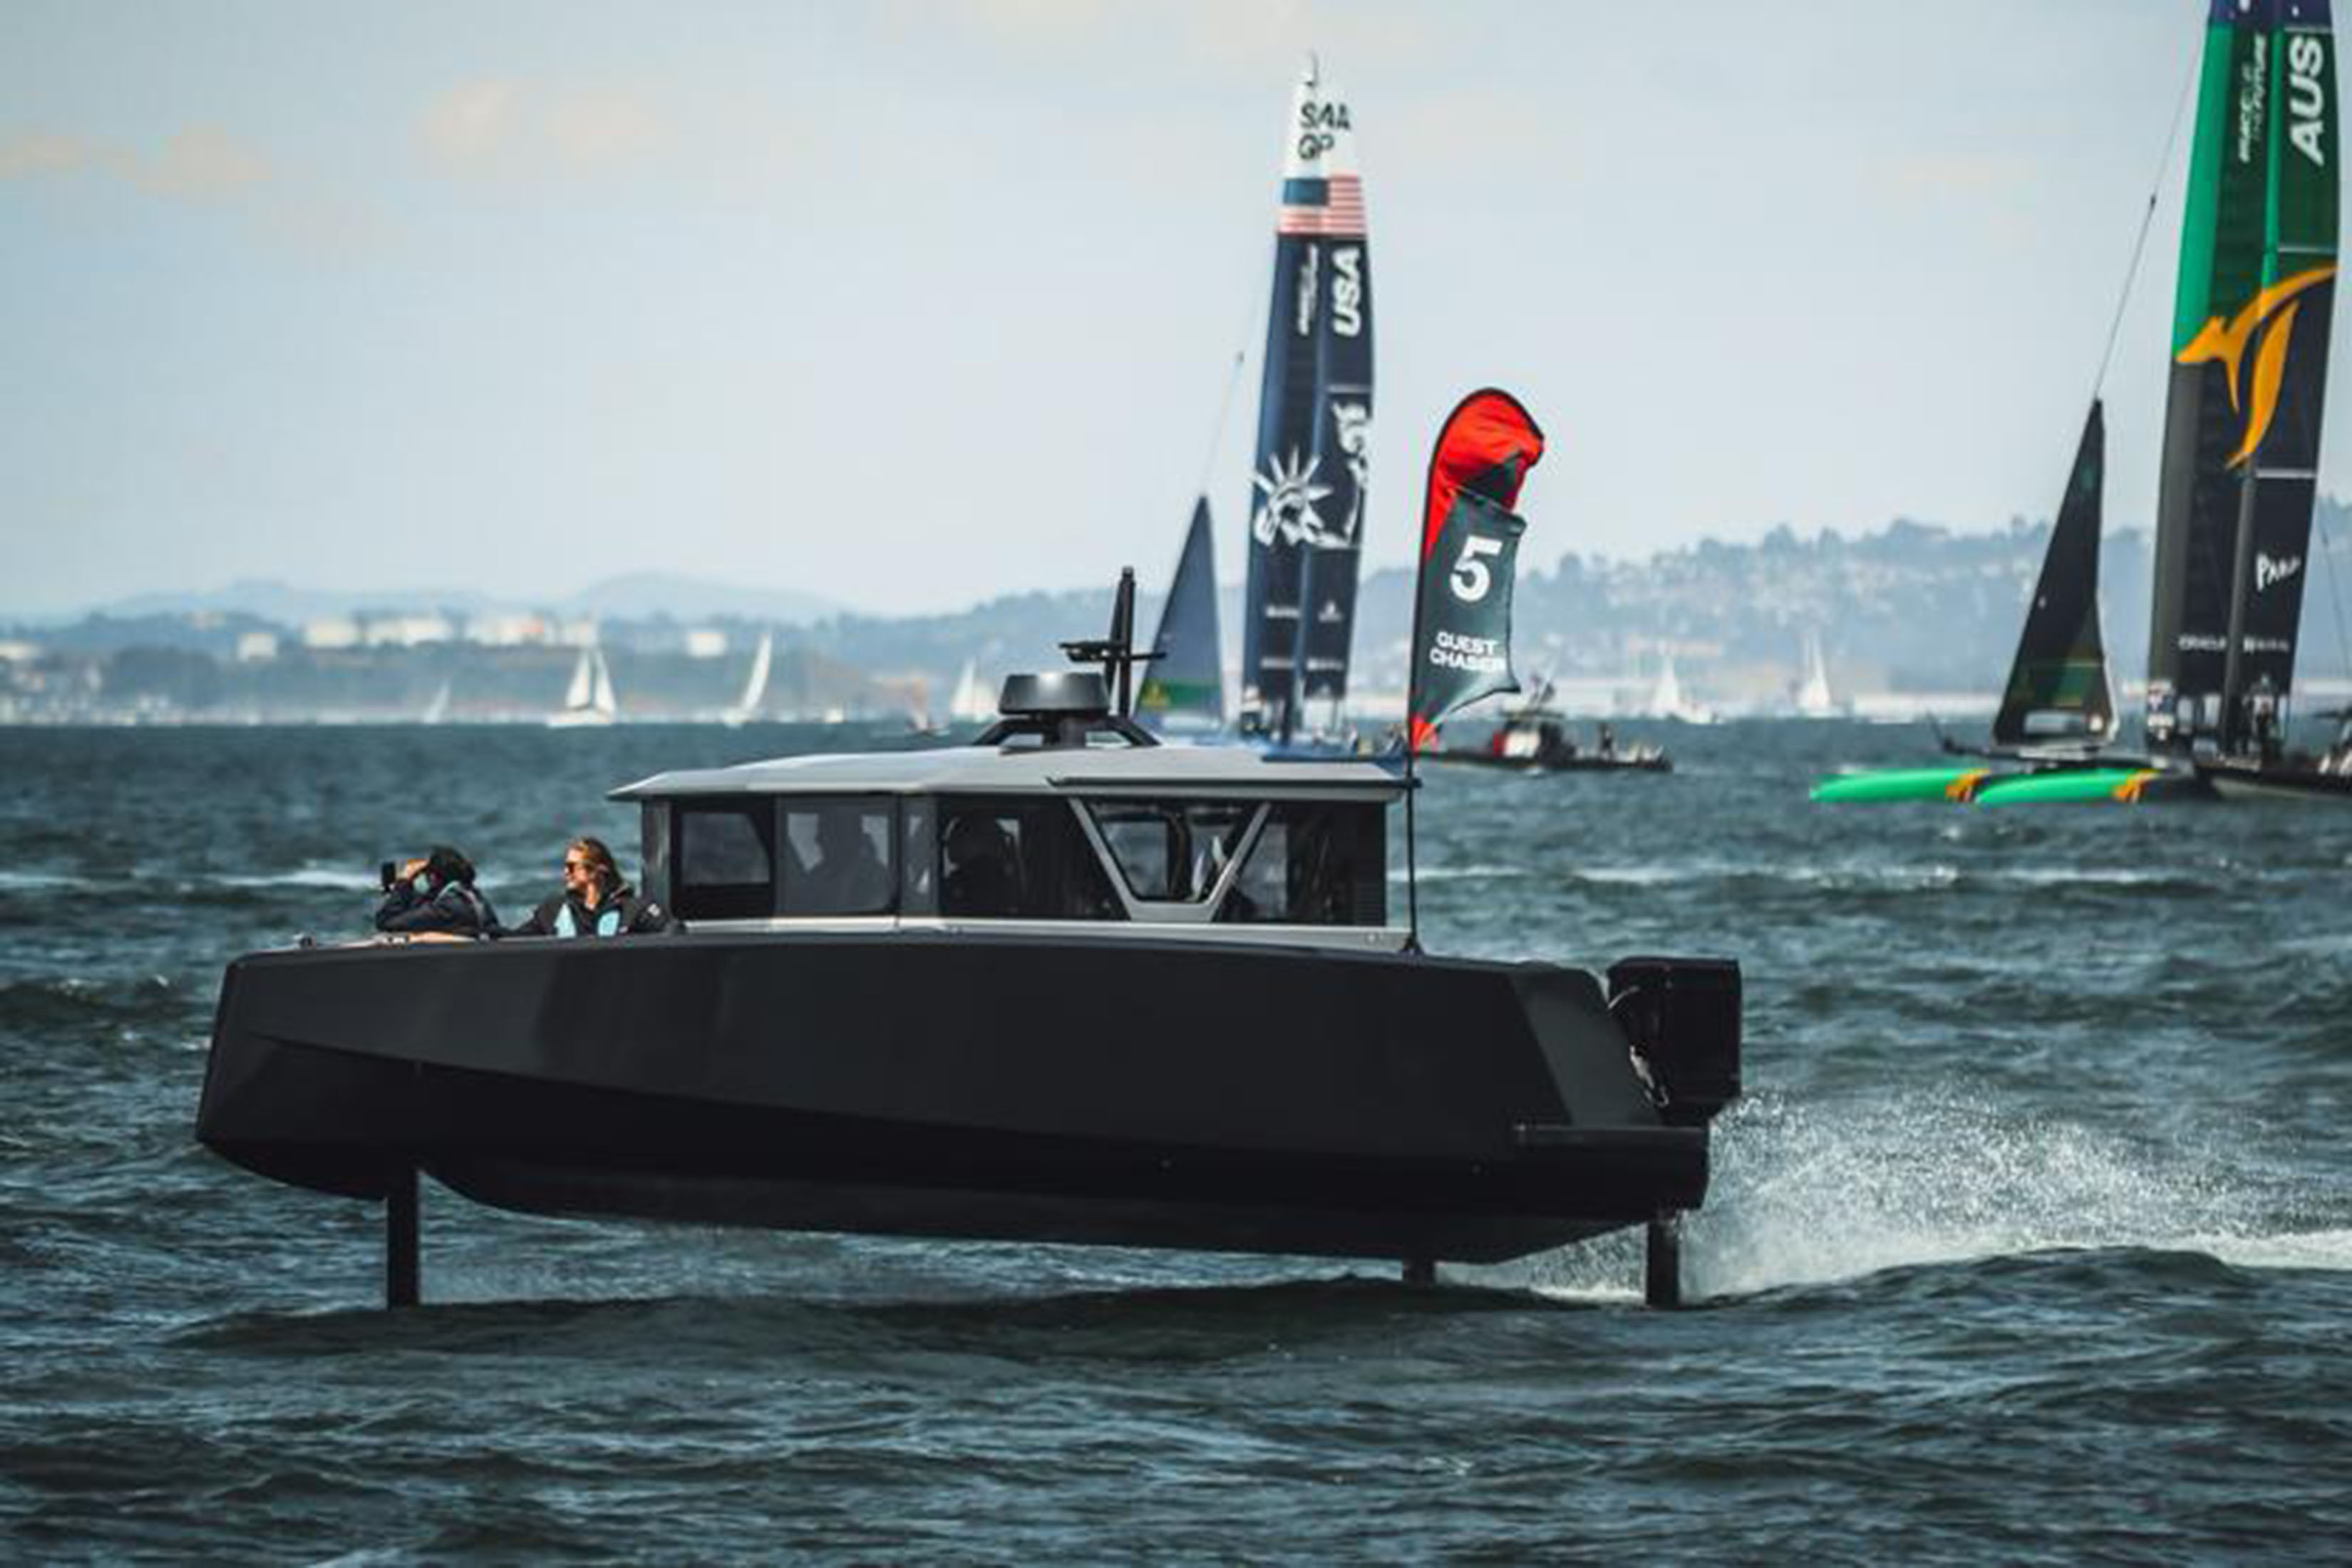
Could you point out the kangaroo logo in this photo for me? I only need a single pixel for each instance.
(2269, 316)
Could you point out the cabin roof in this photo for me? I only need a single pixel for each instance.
(1029, 768)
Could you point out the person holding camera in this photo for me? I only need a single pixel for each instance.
(434, 896)
(594, 901)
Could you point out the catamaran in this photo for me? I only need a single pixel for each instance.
(2252, 302)
(2058, 709)
(2256, 293)
(1313, 434)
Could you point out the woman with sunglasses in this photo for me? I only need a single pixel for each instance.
(594, 901)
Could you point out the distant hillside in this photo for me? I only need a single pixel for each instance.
(1908, 610)
(636, 596)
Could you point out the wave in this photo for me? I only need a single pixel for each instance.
(1935, 876)
(1473, 873)
(1807, 1194)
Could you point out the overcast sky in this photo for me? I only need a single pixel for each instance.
(910, 304)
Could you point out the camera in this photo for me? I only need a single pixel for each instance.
(388, 873)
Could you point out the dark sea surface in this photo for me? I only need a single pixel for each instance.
(2032, 1241)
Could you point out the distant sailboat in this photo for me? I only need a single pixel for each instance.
(1668, 701)
(590, 699)
(971, 703)
(1184, 687)
(438, 711)
(1813, 699)
(755, 686)
(2058, 707)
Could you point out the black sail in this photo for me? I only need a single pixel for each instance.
(2058, 688)
(1315, 410)
(2249, 370)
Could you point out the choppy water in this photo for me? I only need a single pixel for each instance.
(2032, 1241)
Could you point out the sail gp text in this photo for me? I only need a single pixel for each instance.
(1484, 656)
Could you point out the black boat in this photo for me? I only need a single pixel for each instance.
(1108, 991)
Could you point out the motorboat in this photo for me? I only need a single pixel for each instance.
(1063, 984)
(1534, 738)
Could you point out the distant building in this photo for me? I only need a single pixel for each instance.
(256, 648)
(506, 629)
(331, 632)
(577, 633)
(19, 652)
(407, 631)
(705, 642)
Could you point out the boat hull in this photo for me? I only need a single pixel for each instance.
(1190, 1094)
(2242, 782)
(2047, 784)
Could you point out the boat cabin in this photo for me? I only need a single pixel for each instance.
(1050, 821)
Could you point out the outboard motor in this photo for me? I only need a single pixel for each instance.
(1681, 1015)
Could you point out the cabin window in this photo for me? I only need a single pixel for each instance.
(725, 861)
(1321, 863)
(653, 840)
(839, 858)
(918, 893)
(1020, 858)
(1169, 850)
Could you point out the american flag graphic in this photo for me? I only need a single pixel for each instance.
(1332, 209)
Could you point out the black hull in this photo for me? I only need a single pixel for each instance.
(1143, 1093)
(2276, 781)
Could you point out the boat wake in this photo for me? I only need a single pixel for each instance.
(1808, 1194)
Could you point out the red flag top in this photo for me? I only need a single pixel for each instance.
(1488, 443)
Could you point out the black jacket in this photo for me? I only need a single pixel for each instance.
(456, 908)
(622, 913)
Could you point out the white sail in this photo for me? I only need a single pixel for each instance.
(590, 699)
(1813, 697)
(755, 686)
(438, 711)
(583, 681)
(605, 701)
(1668, 701)
(971, 703)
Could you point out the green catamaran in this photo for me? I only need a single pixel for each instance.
(2242, 421)
(2240, 457)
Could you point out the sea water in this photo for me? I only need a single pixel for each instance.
(2031, 1239)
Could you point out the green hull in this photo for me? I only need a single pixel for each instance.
(2062, 784)
(1897, 784)
(1984, 786)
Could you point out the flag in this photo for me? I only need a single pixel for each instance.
(1469, 559)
